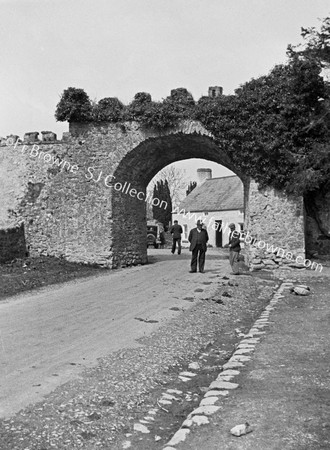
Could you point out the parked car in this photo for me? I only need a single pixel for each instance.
(155, 233)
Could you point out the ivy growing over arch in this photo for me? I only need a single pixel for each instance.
(275, 128)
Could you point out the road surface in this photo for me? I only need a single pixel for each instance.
(47, 337)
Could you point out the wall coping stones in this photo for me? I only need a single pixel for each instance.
(31, 137)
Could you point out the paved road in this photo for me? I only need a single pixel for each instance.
(48, 337)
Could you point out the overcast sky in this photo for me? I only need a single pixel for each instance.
(118, 48)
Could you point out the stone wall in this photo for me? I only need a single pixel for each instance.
(83, 198)
(276, 226)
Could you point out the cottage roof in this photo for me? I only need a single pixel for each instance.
(215, 194)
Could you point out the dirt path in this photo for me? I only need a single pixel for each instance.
(48, 337)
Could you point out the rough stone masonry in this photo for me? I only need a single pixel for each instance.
(66, 194)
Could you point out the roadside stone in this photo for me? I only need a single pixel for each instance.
(240, 358)
(174, 391)
(208, 410)
(298, 290)
(242, 351)
(213, 393)
(187, 374)
(232, 365)
(240, 430)
(179, 436)
(194, 366)
(184, 379)
(269, 262)
(223, 385)
(230, 372)
(208, 401)
(200, 420)
(257, 266)
(141, 428)
(250, 340)
(256, 261)
(187, 423)
(255, 331)
(221, 377)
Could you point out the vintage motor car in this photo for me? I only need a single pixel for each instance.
(155, 232)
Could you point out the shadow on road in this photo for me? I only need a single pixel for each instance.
(159, 255)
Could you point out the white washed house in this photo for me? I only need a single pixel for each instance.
(216, 201)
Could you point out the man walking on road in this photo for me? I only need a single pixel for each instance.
(198, 238)
(176, 231)
(234, 248)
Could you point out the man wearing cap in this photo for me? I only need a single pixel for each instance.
(234, 248)
(198, 238)
(176, 231)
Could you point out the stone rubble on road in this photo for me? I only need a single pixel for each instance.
(207, 405)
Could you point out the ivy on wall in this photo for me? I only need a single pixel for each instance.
(274, 128)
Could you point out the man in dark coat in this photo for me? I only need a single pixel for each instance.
(234, 248)
(176, 231)
(198, 238)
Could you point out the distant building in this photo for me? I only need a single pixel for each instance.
(215, 91)
(216, 201)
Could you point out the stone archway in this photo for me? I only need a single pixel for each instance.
(75, 210)
(134, 173)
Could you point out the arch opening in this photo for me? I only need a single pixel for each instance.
(136, 170)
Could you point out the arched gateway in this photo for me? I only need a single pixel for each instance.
(83, 198)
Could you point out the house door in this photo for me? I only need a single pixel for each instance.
(218, 233)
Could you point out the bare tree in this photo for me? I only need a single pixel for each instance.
(177, 182)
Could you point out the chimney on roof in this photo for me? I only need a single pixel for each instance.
(203, 175)
(215, 91)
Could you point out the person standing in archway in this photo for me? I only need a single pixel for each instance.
(176, 231)
(198, 239)
(234, 248)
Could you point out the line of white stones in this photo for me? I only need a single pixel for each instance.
(223, 384)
